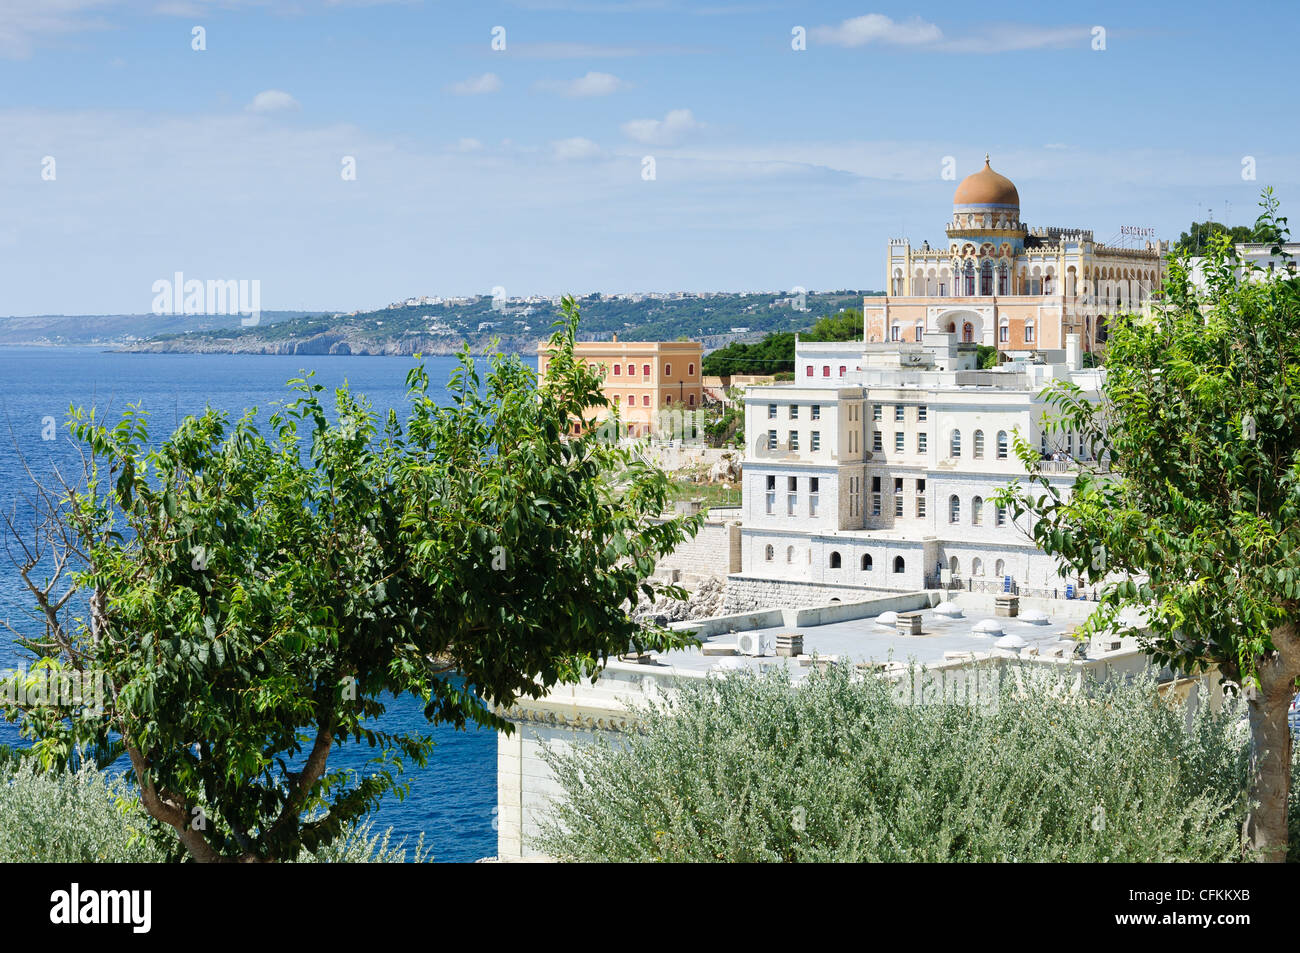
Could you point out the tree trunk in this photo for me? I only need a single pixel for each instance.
(1265, 835)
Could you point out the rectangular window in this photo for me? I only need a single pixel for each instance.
(1029, 333)
(792, 483)
(875, 441)
(814, 484)
(794, 440)
(898, 484)
(898, 506)
(875, 484)
(618, 370)
(771, 440)
(791, 505)
(920, 507)
(816, 443)
(794, 411)
(877, 411)
(920, 412)
(771, 411)
(899, 437)
(771, 503)
(816, 411)
(1001, 518)
(921, 441)
(875, 504)
(899, 411)
(771, 482)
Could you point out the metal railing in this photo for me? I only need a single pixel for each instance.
(998, 586)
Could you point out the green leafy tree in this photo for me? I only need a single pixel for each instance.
(1197, 521)
(1200, 236)
(254, 599)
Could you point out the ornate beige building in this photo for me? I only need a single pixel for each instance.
(999, 282)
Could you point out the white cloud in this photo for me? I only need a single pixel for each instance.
(662, 132)
(477, 85)
(575, 148)
(468, 145)
(876, 28)
(23, 23)
(593, 84)
(271, 101)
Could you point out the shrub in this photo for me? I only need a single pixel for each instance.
(81, 816)
(754, 768)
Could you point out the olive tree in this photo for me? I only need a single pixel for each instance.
(1193, 516)
(253, 595)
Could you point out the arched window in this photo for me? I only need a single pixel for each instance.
(668, 369)
(842, 370)
(954, 566)
(1004, 331)
(979, 445)
(895, 332)
(866, 562)
(954, 444)
(835, 560)
(919, 329)
(977, 510)
(970, 279)
(977, 567)
(789, 554)
(769, 553)
(899, 565)
(999, 569)
(954, 508)
(986, 278)
(1002, 444)
(690, 370)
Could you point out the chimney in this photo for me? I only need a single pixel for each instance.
(615, 338)
(1073, 353)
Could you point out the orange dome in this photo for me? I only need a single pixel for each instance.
(986, 187)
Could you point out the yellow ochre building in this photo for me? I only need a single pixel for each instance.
(642, 378)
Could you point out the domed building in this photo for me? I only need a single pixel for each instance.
(998, 282)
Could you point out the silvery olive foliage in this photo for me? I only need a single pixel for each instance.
(89, 815)
(756, 768)
(71, 816)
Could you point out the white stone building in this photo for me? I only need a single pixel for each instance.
(878, 469)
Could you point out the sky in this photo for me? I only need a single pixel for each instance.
(349, 153)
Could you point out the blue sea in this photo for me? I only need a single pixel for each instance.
(452, 800)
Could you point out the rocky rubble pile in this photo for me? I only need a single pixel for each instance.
(703, 603)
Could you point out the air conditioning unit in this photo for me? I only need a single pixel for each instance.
(751, 643)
